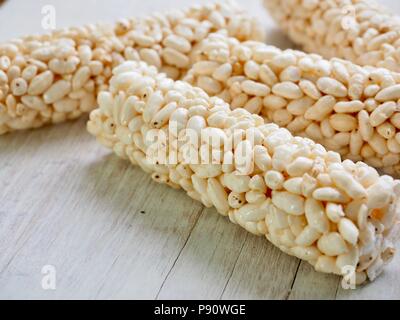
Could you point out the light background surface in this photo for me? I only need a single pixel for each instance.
(109, 231)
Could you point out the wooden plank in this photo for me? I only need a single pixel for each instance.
(73, 208)
(29, 161)
(207, 261)
(151, 244)
(310, 284)
(261, 272)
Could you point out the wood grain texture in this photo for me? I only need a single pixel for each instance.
(111, 232)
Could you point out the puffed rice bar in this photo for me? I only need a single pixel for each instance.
(55, 77)
(304, 199)
(349, 109)
(361, 31)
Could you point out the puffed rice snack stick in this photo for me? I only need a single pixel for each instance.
(55, 77)
(349, 109)
(334, 214)
(361, 31)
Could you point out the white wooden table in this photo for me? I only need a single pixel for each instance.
(109, 232)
